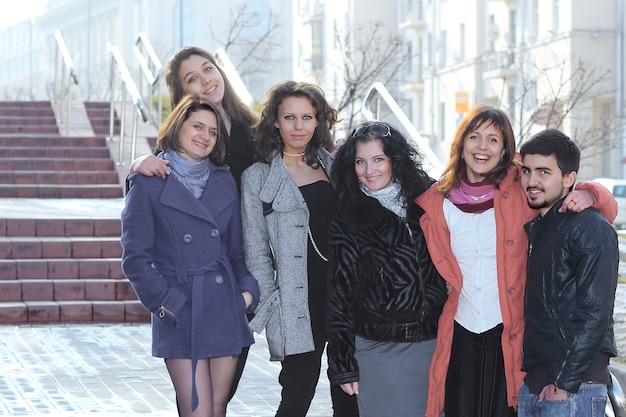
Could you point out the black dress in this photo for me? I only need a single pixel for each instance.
(320, 200)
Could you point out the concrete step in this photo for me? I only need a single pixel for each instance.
(90, 152)
(59, 177)
(61, 191)
(35, 247)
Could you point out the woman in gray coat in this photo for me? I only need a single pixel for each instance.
(287, 203)
(183, 254)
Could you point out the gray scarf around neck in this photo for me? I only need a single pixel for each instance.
(193, 175)
(389, 197)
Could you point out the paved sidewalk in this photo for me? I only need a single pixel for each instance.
(107, 370)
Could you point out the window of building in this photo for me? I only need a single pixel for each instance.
(534, 24)
(512, 28)
(184, 23)
(461, 56)
(443, 49)
(491, 36)
(317, 45)
(556, 16)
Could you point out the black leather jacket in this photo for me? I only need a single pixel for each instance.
(572, 275)
(383, 284)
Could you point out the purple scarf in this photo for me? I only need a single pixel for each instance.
(473, 197)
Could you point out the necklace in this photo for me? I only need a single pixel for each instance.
(317, 250)
(293, 154)
(315, 246)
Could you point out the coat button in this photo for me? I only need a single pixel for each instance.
(215, 233)
(187, 238)
(509, 242)
(505, 194)
(513, 336)
(219, 279)
(511, 290)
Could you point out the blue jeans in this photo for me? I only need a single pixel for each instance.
(590, 401)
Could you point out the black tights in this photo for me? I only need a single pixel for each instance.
(213, 382)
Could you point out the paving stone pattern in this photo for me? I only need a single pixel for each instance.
(107, 370)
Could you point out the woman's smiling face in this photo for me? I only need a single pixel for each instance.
(482, 149)
(371, 165)
(198, 135)
(199, 76)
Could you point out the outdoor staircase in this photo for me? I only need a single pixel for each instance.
(57, 266)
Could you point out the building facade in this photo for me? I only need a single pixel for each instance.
(548, 63)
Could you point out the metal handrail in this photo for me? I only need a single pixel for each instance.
(431, 162)
(117, 61)
(151, 70)
(233, 76)
(64, 97)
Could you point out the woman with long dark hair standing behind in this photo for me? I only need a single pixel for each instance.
(192, 70)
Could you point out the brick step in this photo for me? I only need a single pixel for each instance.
(131, 311)
(25, 104)
(57, 164)
(61, 227)
(23, 112)
(66, 290)
(100, 120)
(57, 268)
(61, 191)
(59, 177)
(39, 129)
(53, 141)
(35, 247)
(55, 152)
(27, 120)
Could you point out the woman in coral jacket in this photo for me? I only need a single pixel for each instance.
(473, 224)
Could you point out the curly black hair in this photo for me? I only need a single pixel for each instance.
(406, 163)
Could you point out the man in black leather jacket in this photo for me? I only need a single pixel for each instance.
(570, 291)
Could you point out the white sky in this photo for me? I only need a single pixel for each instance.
(13, 11)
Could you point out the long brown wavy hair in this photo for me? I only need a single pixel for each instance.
(267, 141)
(456, 166)
(233, 107)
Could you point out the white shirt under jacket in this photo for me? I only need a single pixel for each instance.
(473, 243)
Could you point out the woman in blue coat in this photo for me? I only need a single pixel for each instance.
(183, 254)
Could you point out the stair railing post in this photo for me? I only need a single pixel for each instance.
(120, 162)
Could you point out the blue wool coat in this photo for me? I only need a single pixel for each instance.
(184, 258)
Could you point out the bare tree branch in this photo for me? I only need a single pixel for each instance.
(368, 54)
(245, 44)
(567, 91)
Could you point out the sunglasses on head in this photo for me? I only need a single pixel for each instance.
(377, 129)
